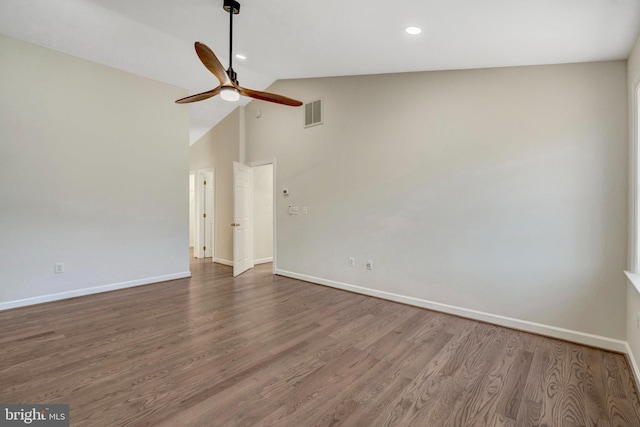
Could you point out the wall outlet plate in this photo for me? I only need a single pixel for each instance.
(58, 267)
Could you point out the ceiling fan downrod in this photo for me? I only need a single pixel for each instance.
(233, 7)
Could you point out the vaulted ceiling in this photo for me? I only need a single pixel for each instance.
(284, 39)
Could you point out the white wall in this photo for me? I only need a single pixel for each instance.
(263, 213)
(219, 148)
(497, 191)
(93, 173)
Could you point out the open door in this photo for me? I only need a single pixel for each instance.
(242, 218)
(204, 221)
(209, 223)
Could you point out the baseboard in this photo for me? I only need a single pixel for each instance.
(223, 261)
(262, 260)
(611, 344)
(635, 371)
(94, 290)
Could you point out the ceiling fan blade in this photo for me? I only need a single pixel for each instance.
(271, 97)
(199, 96)
(210, 60)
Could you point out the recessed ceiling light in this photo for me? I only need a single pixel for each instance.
(413, 30)
(239, 56)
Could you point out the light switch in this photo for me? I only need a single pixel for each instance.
(305, 210)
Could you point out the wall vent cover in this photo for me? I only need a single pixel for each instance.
(313, 113)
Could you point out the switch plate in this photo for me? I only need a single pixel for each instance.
(294, 210)
(58, 267)
(305, 210)
(352, 261)
(369, 265)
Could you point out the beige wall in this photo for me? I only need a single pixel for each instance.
(500, 194)
(93, 173)
(219, 148)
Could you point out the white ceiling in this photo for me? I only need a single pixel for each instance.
(284, 39)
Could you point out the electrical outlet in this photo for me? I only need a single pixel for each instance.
(58, 267)
(369, 265)
(352, 261)
(638, 320)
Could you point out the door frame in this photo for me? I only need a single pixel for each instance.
(271, 161)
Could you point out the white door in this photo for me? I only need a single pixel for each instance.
(242, 219)
(205, 214)
(208, 214)
(192, 209)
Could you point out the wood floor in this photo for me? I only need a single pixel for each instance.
(263, 350)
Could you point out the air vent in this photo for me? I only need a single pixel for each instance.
(313, 113)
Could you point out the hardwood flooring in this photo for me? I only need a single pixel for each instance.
(263, 350)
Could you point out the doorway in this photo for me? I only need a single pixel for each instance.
(203, 214)
(254, 226)
(263, 213)
(192, 210)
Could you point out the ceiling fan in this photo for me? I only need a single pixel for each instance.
(229, 89)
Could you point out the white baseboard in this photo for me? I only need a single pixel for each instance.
(94, 290)
(634, 366)
(618, 346)
(262, 260)
(223, 261)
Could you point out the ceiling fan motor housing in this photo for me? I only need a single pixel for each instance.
(232, 75)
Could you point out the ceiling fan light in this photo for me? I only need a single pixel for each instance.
(229, 94)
